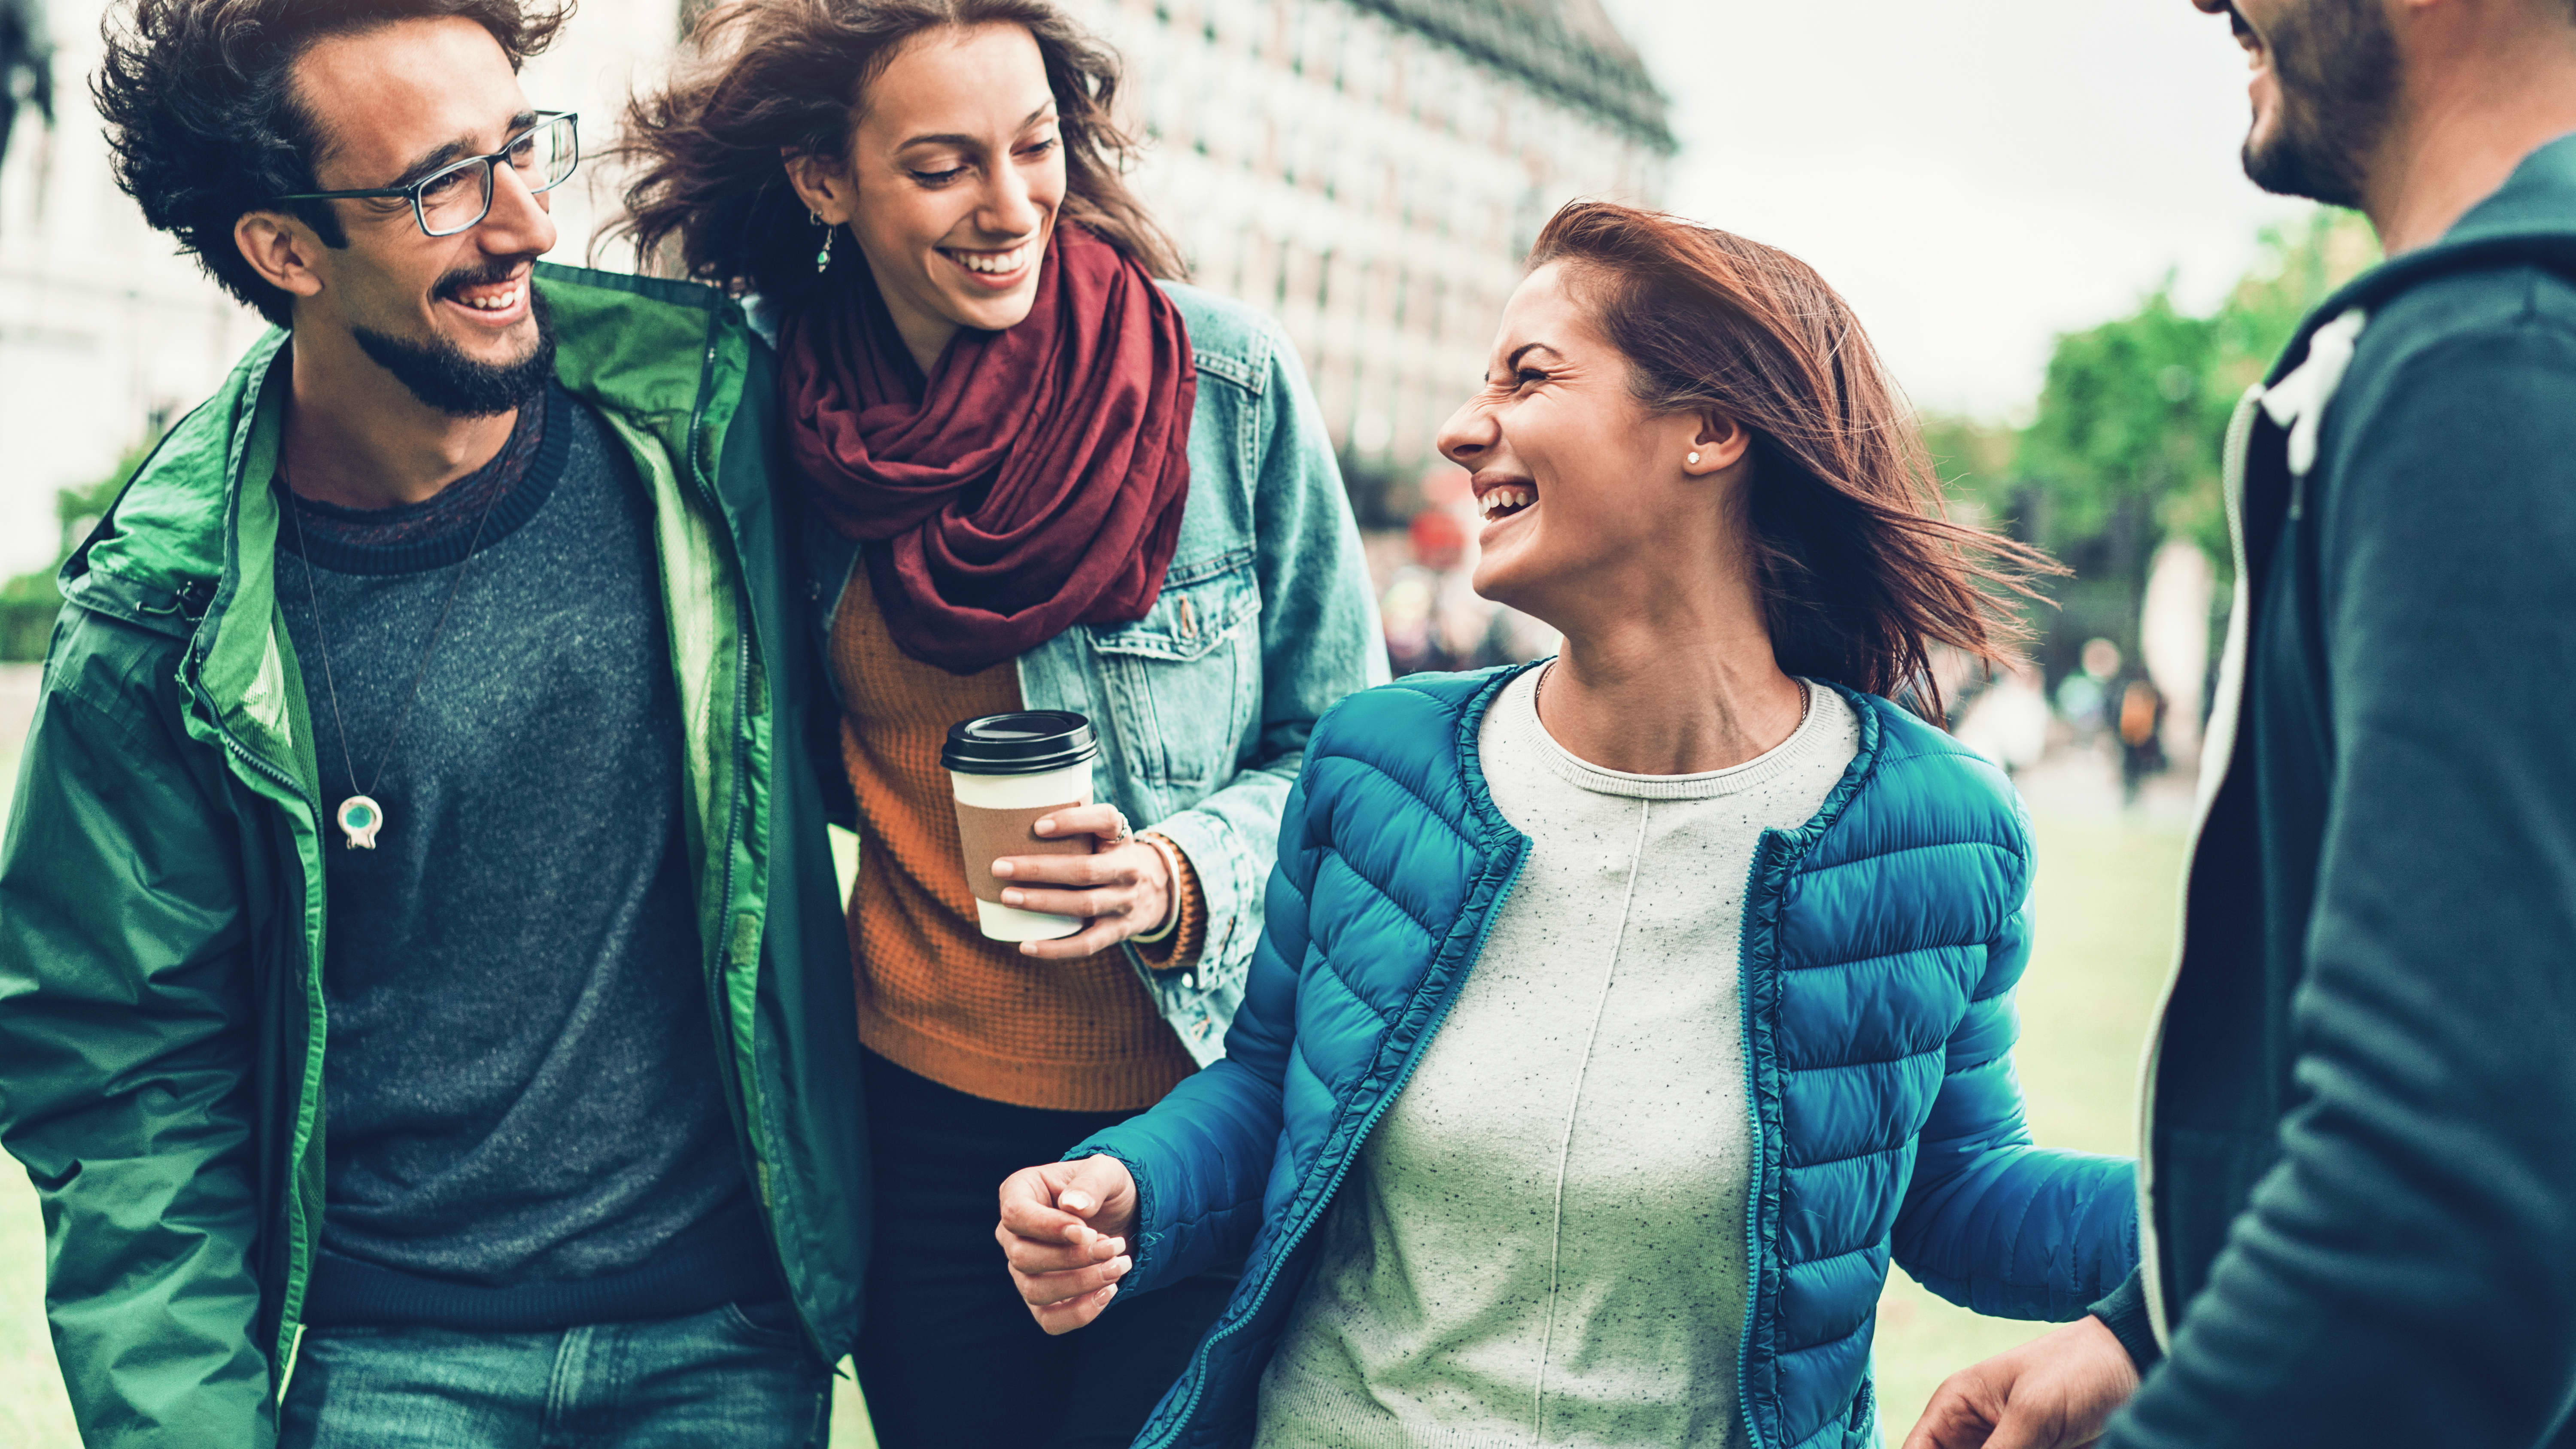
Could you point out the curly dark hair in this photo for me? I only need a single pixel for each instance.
(788, 76)
(204, 124)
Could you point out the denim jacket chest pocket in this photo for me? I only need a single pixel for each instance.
(1184, 682)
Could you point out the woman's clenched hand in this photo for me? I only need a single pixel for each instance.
(1064, 1230)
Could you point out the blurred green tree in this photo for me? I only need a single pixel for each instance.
(29, 602)
(2122, 448)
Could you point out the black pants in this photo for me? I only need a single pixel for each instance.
(949, 1357)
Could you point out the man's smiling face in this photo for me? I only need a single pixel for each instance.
(2324, 91)
(454, 317)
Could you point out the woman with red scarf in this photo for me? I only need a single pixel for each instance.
(1035, 472)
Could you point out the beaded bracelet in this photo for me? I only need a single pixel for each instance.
(1171, 855)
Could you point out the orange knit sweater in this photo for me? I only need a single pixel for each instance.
(936, 997)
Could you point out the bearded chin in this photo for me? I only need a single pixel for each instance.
(2287, 164)
(2337, 67)
(438, 372)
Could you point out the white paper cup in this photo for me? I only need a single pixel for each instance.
(1022, 799)
(1007, 772)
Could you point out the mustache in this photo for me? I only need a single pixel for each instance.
(2236, 21)
(487, 274)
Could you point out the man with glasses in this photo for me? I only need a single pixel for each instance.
(423, 1004)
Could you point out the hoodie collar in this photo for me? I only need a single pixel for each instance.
(2529, 219)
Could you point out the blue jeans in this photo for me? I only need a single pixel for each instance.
(729, 1377)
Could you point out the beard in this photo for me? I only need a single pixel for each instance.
(438, 372)
(2335, 64)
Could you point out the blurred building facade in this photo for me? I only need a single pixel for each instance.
(1370, 171)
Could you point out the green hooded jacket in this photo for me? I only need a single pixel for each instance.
(162, 911)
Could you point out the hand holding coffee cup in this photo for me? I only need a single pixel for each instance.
(1123, 888)
(1049, 868)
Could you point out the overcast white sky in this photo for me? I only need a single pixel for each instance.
(1976, 176)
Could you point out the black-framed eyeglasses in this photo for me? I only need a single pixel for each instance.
(457, 196)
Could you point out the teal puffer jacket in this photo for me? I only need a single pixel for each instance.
(1882, 941)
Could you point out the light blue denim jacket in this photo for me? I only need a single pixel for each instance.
(1266, 619)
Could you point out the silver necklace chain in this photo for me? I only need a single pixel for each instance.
(322, 635)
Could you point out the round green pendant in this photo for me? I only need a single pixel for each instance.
(360, 818)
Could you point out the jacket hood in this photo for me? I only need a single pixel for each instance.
(2530, 220)
(163, 540)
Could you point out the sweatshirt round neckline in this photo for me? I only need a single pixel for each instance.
(1517, 711)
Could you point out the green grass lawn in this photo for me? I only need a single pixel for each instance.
(2105, 934)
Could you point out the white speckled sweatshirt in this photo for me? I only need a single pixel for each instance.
(1544, 1241)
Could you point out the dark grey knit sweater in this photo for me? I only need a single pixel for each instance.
(526, 1127)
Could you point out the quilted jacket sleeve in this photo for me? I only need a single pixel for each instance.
(125, 1075)
(1201, 1157)
(1992, 1222)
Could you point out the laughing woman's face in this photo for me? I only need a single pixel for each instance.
(1590, 499)
(955, 176)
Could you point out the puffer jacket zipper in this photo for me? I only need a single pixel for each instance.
(1753, 1192)
(1776, 858)
(1197, 1375)
(1510, 873)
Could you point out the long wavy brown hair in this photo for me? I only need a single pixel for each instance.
(1861, 568)
(711, 199)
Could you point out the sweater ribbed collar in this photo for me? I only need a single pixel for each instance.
(1516, 715)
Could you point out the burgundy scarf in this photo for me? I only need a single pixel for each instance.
(1032, 482)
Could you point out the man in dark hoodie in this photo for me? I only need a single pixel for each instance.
(2359, 1175)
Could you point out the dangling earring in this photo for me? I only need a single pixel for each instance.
(1693, 460)
(823, 258)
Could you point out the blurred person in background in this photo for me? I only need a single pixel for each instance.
(2141, 729)
(2360, 1112)
(2084, 698)
(420, 979)
(1412, 604)
(1621, 1017)
(1435, 619)
(2008, 722)
(1032, 471)
(26, 65)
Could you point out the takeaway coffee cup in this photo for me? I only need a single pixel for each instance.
(1009, 772)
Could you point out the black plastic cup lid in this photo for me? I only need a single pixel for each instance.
(1030, 742)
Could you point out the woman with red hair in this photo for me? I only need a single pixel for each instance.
(1621, 1016)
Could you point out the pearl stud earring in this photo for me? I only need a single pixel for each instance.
(1694, 458)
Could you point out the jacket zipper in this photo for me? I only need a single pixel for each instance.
(1752, 1203)
(2213, 776)
(1769, 850)
(1288, 1249)
(299, 1248)
(735, 1088)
